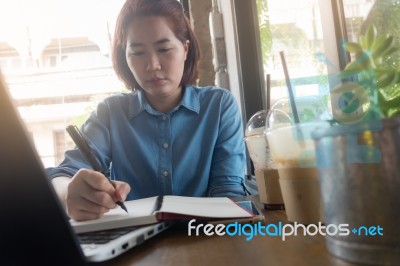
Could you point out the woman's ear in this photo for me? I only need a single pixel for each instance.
(186, 47)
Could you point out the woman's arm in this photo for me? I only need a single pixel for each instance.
(229, 159)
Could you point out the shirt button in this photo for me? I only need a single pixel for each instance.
(164, 117)
(165, 145)
(165, 173)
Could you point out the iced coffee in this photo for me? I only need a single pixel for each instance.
(294, 155)
(267, 177)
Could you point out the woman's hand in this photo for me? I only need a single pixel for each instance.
(89, 194)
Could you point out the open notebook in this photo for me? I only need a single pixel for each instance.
(34, 227)
(163, 208)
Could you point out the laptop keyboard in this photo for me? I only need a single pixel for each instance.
(102, 237)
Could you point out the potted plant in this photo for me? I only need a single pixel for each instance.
(373, 67)
(359, 156)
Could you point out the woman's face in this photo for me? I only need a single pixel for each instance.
(156, 57)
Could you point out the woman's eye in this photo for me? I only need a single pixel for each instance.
(136, 53)
(164, 50)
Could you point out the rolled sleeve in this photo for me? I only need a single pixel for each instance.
(229, 159)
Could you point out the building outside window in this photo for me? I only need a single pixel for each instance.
(56, 59)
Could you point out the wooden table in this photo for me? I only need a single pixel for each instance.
(175, 247)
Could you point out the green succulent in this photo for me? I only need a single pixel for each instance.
(371, 55)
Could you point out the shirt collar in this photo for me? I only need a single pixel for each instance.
(190, 101)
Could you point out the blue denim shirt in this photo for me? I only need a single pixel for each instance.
(197, 149)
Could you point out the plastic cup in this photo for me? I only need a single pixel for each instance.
(293, 152)
(267, 177)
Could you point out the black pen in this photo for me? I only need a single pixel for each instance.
(87, 152)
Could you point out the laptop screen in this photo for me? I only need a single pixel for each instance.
(34, 228)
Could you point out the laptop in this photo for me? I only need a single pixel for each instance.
(34, 228)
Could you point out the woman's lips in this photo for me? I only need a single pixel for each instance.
(156, 81)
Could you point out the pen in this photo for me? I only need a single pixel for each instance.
(87, 152)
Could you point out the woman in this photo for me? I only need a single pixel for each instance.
(167, 136)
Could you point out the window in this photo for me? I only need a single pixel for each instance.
(307, 33)
(57, 64)
(293, 27)
(311, 33)
(62, 142)
(383, 14)
(57, 61)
